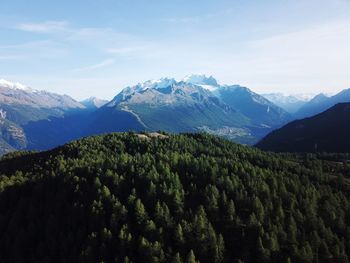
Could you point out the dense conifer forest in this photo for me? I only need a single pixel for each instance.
(172, 198)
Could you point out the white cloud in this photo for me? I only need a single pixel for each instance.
(198, 18)
(312, 60)
(46, 27)
(64, 36)
(34, 50)
(101, 39)
(316, 57)
(128, 50)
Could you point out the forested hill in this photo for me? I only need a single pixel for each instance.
(171, 198)
(325, 132)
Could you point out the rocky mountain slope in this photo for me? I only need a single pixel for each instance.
(196, 103)
(21, 106)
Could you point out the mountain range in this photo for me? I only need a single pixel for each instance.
(196, 103)
(93, 103)
(39, 120)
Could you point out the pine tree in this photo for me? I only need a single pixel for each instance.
(231, 211)
(176, 258)
(262, 254)
(140, 212)
(191, 257)
(220, 249)
(179, 236)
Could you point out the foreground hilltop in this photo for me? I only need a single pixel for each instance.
(171, 198)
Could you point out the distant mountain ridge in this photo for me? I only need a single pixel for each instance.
(328, 131)
(93, 103)
(322, 102)
(16, 93)
(21, 106)
(195, 103)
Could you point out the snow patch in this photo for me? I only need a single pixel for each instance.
(11, 85)
(155, 84)
(200, 79)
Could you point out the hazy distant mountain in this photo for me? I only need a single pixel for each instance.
(22, 107)
(312, 107)
(328, 131)
(321, 103)
(290, 103)
(22, 104)
(15, 93)
(257, 108)
(93, 103)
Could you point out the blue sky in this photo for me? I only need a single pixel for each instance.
(97, 47)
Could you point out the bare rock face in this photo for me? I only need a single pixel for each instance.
(12, 137)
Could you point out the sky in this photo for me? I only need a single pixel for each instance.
(96, 48)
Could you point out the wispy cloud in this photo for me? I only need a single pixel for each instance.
(197, 18)
(315, 57)
(10, 57)
(69, 32)
(102, 39)
(34, 49)
(125, 51)
(316, 49)
(101, 64)
(45, 27)
(62, 35)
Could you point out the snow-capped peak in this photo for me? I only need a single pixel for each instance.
(200, 79)
(147, 85)
(11, 85)
(156, 84)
